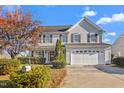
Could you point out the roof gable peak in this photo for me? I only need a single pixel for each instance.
(86, 19)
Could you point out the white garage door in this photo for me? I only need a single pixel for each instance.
(84, 58)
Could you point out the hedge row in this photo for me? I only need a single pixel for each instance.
(119, 61)
(7, 66)
(32, 60)
(38, 77)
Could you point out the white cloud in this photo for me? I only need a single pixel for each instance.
(118, 17)
(111, 33)
(104, 20)
(114, 18)
(106, 40)
(88, 12)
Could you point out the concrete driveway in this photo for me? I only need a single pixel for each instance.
(91, 77)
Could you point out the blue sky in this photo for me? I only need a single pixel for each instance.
(109, 18)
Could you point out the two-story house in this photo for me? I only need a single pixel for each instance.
(82, 43)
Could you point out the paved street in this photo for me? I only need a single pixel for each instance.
(90, 77)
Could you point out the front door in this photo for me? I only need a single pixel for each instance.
(52, 55)
(49, 55)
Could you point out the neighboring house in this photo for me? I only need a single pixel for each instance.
(82, 43)
(118, 47)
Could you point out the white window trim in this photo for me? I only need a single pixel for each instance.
(75, 37)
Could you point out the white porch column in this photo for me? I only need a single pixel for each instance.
(46, 56)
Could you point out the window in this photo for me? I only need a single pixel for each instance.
(75, 37)
(77, 51)
(63, 37)
(92, 37)
(81, 51)
(93, 51)
(47, 38)
(89, 51)
(97, 51)
(40, 53)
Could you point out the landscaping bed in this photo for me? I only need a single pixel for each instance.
(55, 79)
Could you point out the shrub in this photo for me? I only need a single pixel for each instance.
(7, 66)
(38, 77)
(33, 60)
(57, 76)
(119, 61)
(58, 64)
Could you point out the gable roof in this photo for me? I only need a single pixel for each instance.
(56, 28)
(85, 19)
(64, 28)
(93, 24)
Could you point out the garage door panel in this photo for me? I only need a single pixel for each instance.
(76, 59)
(84, 59)
(90, 59)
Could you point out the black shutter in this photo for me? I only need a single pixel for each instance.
(60, 37)
(88, 37)
(79, 38)
(50, 38)
(43, 38)
(72, 37)
(66, 38)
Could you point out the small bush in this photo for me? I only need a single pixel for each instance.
(57, 76)
(58, 64)
(119, 61)
(33, 60)
(38, 77)
(7, 66)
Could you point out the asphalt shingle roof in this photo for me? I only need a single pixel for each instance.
(55, 28)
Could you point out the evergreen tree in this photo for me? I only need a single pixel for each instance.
(59, 53)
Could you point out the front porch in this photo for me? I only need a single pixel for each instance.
(47, 54)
